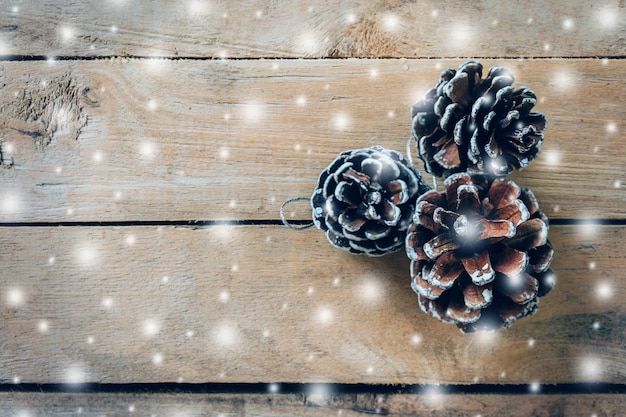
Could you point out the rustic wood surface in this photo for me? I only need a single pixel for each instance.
(124, 140)
(119, 117)
(310, 405)
(295, 28)
(266, 304)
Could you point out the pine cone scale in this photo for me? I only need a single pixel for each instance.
(503, 193)
(459, 311)
(444, 271)
(398, 192)
(495, 228)
(440, 244)
(516, 213)
(510, 262)
(479, 268)
(541, 257)
(475, 296)
(530, 234)
(521, 289)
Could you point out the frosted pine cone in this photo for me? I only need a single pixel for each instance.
(479, 252)
(364, 200)
(472, 123)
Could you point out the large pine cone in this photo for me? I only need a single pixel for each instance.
(364, 200)
(472, 123)
(479, 252)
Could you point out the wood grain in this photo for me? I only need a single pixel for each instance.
(105, 135)
(127, 140)
(265, 303)
(311, 405)
(253, 29)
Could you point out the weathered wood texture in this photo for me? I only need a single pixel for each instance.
(311, 405)
(124, 140)
(263, 304)
(276, 28)
(114, 139)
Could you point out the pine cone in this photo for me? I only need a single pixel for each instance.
(470, 123)
(364, 200)
(479, 252)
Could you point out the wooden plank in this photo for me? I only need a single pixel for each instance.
(276, 28)
(125, 140)
(268, 304)
(312, 405)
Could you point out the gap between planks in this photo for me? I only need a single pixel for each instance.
(49, 59)
(297, 222)
(316, 404)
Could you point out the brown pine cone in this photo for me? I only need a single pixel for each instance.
(364, 200)
(479, 252)
(470, 123)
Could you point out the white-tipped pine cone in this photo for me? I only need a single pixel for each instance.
(470, 123)
(479, 252)
(364, 200)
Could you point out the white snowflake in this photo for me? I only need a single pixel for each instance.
(341, 121)
(151, 327)
(324, 315)
(43, 326)
(67, 33)
(147, 150)
(226, 335)
(391, 22)
(568, 23)
(604, 290)
(158, 359)
(273, 388)
(15, 297)
(75, 374)
(590, 368)
(11, 202)
(371, 290)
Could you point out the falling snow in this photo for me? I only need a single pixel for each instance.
(590, 368)
(15, 297)
(253, 112)
(151, 327)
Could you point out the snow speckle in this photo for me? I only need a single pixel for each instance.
(43, 326)
(158, 359)
(151, 327)
(568, 23)
(107, 303)
(611, 127)
(15, 297)
(590, 368)
(75, 374)
(341, 121)
(324, 315)
(604, 291)
(391, 22)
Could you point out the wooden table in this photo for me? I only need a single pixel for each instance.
(147, 148)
